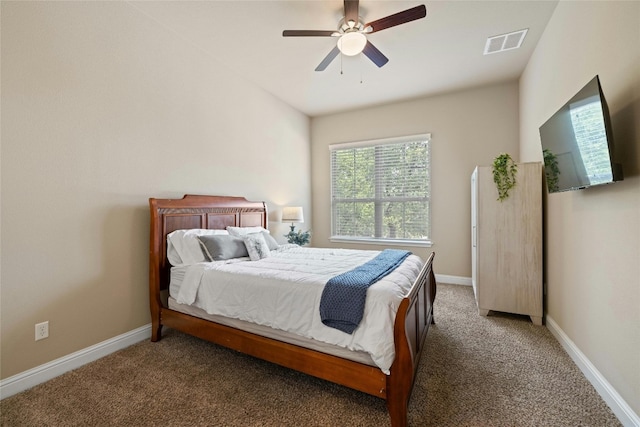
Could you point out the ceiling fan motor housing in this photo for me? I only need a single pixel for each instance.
(344, 27)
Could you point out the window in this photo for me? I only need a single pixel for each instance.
(380, 190)
(591, 137)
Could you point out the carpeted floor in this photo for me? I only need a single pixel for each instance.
(499, 370)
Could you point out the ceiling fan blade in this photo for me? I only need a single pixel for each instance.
(307, 33)
(374, 54)
(327, 59)
(403, 17)
(351, 11)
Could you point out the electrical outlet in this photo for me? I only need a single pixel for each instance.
(42, 330)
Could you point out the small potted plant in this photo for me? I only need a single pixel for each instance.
(298, 237)
(504, 175)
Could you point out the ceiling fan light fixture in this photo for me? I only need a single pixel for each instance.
(352, 43)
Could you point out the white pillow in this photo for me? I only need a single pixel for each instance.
(172, 254)
(183, 246)
(241, 231)
(256, 246)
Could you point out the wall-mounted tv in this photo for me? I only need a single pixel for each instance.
(577, 143)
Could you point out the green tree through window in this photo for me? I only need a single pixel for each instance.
(380, 189)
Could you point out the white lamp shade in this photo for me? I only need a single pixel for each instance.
(351, 44)
(292, 214)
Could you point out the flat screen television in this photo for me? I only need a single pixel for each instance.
(577, 143)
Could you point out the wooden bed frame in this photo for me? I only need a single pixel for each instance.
(217, 212)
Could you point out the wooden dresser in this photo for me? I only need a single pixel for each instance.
(506, 243)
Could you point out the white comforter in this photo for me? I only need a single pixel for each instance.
(283, 291)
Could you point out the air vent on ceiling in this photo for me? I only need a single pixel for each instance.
(505, 42)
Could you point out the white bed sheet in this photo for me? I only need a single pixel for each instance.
(283, 291)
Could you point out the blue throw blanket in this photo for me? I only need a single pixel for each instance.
(343, 297)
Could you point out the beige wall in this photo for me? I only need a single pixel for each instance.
(102, 109)
(467, 128)
(593, 236)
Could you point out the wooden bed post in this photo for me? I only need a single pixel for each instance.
(156, 243)
(400, 382)
(413, 318)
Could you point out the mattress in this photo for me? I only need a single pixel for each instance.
(283, 291)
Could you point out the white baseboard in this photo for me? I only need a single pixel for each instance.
(618, 405)
(453, 280)
(42, 373)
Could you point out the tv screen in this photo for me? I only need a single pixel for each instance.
(577, 143)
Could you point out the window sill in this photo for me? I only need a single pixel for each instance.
(383, 242)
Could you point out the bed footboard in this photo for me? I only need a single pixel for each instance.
(414, 316)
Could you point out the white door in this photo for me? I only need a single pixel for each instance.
(474, 229)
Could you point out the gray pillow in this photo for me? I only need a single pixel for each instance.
(271, 242)
(222, 247)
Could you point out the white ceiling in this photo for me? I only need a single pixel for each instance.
(440, 53)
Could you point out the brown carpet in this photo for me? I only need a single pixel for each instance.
(495, 371)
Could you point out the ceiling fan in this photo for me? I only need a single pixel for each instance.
(352, 33)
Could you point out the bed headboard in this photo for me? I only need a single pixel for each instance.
(192, 211)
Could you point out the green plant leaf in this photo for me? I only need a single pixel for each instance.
(504, 175)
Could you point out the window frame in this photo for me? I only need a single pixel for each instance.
(428, 242)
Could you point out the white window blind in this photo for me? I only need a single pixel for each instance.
(380, 190)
